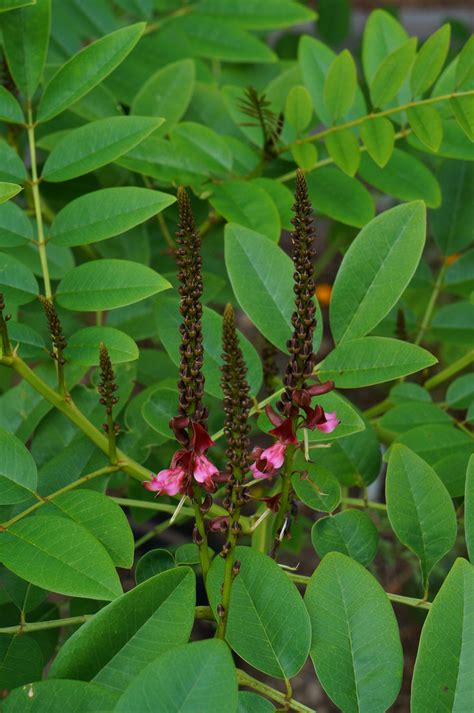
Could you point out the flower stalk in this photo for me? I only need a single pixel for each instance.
(58, 342)
(237, 406)
(107, 389)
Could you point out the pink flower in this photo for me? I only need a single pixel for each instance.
(186, 464)
(324, 421)
(168, 481)
(329, 422)
(205, 471)
(268, 461)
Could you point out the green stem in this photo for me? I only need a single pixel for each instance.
(71, 486)
(70, 410)
(201, 528)
(360, 503)
(244, 679)
(450, 371)
(426, 321)
(378, 409)
(370, 117)
(201, 612)
(284, 500)
(112, 438)
(229, 574)
(37, 204)
(215, 511)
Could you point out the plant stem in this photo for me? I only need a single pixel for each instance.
(426, 321)
(201, 612)
(360, 503)
(450, 370)
(37, 203)
(244, 679)
(202, 539)
(233, 534)
(378, 409)
(370, 117)
(398, 598)
(282, 514)
(71, 486)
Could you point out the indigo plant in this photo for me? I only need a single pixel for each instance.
(236, 331)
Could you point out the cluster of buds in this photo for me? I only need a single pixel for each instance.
(295, 403)
(58, 340)
(189, 465)
(188, 256)
(107, 388)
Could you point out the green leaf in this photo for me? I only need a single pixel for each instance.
(21, 661)
(215, 38)
(452, 225)
(316, 487)
(104, 519)
(340, 85)
(206, 151)
(435, 442)
(378, 136)
(469, 509)
(392, 72)
(168, 320)
(258, 15)
(281, 196)
(454, 144)
(419, 508)
(15, 228)
(167, 93)
(376, 270)
(6, 5)
(159, 409)
(261, 275)
(126, 635)
(353, 459)
(343, 148)
(354, 625)
(83, 346)
(17, 282)
(406, 416)
(463, 109)
(430, 60)
(94, 145)
(299, 108)
(195, 677)
(427, 126)
(25, 41)
(87, 69)
(315, 59)
(8, 190)
(454, 323)
(18, 476)
(107, 284)
(105, 213)
(459, 278)
(152, 563)
(382, 34)
(57, 696)
(250, 702)
(249, 205)
(340, 197)
(465, 64)
(442, 679)
(58, 554)
(372, 360)
(351, 532)
(460, 393)
(403, 177)
(267, 623)
(305, 156)
(10, 110)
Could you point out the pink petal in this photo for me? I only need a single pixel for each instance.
(331, 422)
(204, 470)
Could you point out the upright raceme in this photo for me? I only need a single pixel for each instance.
(189, 465)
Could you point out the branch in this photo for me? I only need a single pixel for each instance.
(398, 598)
(249, 682)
